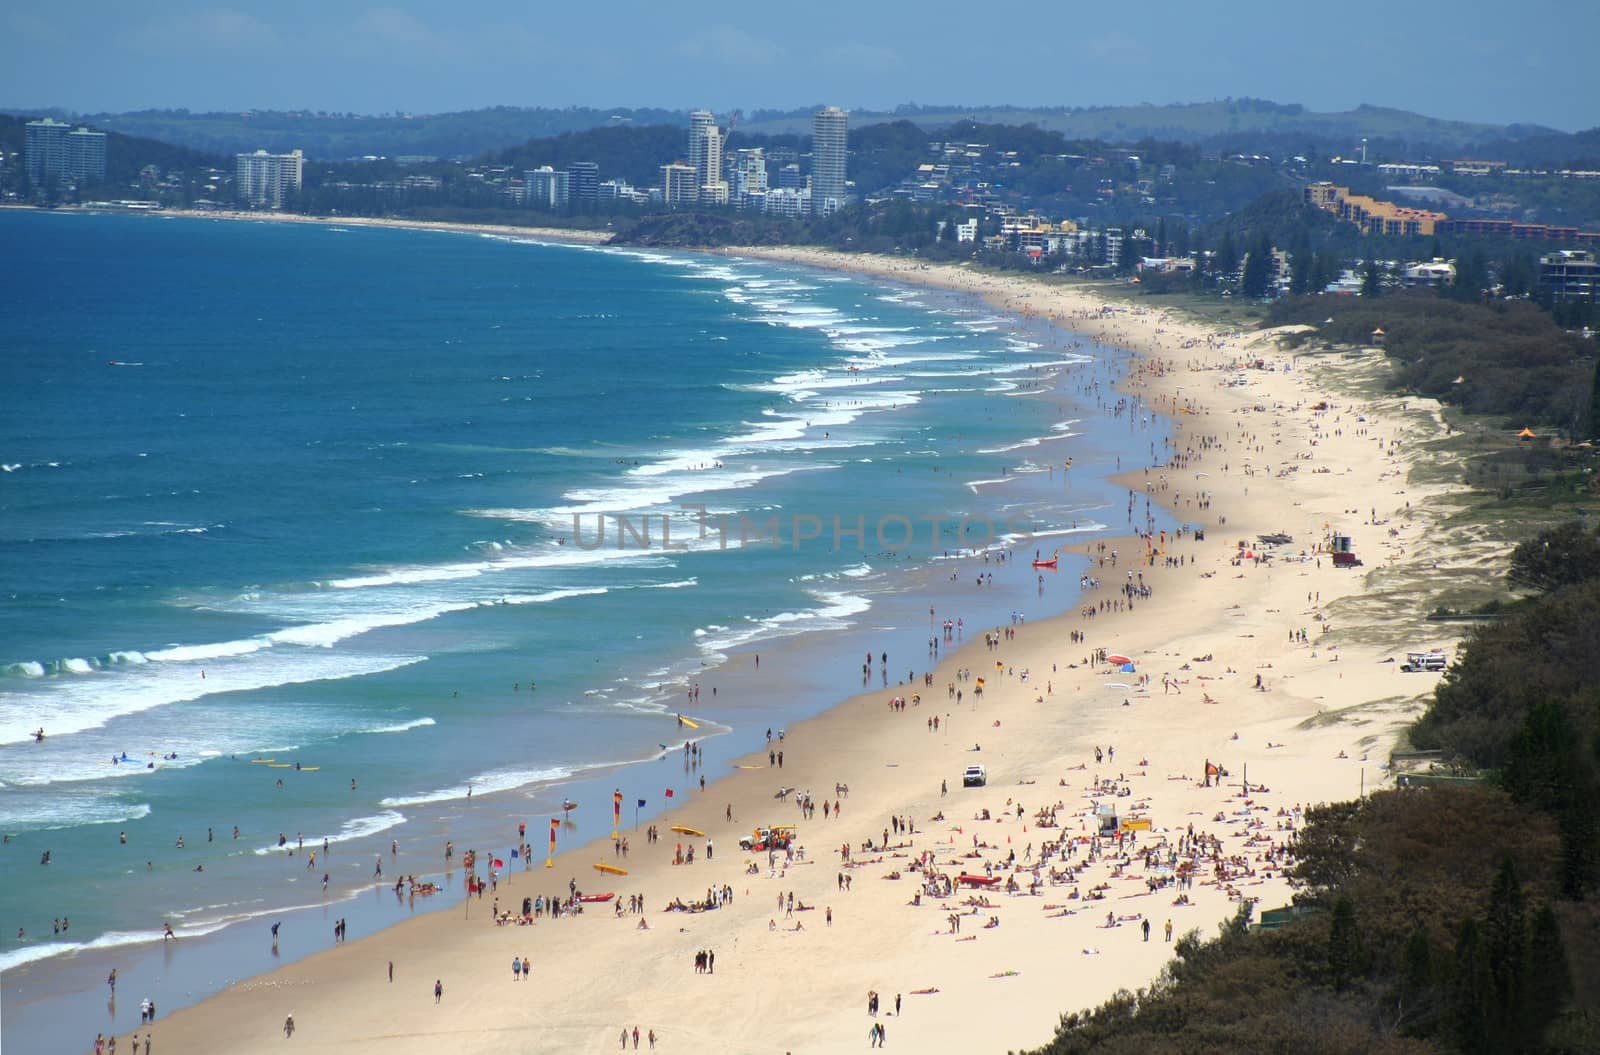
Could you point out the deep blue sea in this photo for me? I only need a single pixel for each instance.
(335, 499)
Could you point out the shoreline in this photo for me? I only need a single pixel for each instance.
(565, 235)
(1029, 743)
(219, 957)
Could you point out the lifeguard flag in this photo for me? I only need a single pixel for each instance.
(641, 804)
(499, 863)
(669, 793)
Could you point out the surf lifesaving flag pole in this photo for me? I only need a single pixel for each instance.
(616, 812)
(550, 861)
(637, 806)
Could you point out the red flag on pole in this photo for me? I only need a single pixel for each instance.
(669, 793)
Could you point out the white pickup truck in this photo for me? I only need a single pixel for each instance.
(1432, 661)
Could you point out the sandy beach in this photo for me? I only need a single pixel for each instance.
(1267, 662)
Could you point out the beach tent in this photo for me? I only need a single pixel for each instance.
(1526, 434)
(1127, 668)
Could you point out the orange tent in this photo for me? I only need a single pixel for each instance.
(1526, 434)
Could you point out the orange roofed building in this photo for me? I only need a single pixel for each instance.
(1370, 214)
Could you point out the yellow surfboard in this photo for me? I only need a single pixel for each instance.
(611, 870)
(685, 830)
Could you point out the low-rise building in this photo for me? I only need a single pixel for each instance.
(1372, 215)
(1571, 274)
(1431, 274)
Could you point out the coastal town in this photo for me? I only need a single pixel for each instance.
(779, 568)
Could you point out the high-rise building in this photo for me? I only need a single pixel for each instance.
(56, 149)
(830, 129)
(86, 155)
(546, 188)
(46, 147)
(678, 185)
(705, 155)
(749, 175)
(264, 179)
(583, 182)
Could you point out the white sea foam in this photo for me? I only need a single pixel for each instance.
(37, 811)
(485, 784)
(835, 612)
(354, 828)
(403, 727)
(77, 704)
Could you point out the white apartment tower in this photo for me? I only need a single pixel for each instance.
(705, 155)
(265, 179)
(830, 129)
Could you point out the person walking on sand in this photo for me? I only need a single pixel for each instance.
(438, 990)
(635, 1038)
(288, 1026)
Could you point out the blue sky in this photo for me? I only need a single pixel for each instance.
(1531, 60)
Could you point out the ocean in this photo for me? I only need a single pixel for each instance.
(369, 535)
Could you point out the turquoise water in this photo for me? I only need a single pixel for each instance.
(335, 498)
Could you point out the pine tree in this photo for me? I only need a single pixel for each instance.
(1550, 980)
(1579, 865)
(1346, 951)
(1258, 267)
(1416, 984)
(1371, 283)
(1506, 943)
(1594, 403)
(1227, 257)
(1472, 994)
(1301, 265)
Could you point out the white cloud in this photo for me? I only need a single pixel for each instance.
(728, 46)
(869, 58)
(210, 29)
